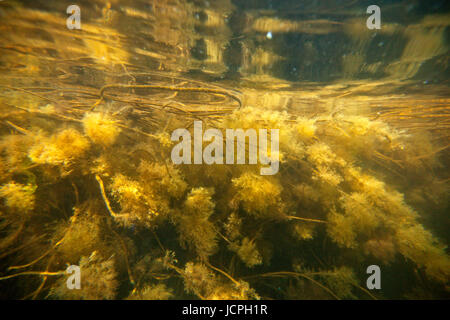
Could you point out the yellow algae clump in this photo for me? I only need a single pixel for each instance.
(162, 179)
(257, 118)
(59, 149)
(101, 128)
(239, 290)
(233, 226)
(340, 229)
(382, 248)
(136, 205)
(326, 175)
(259, 196)
(18, 196)
(152, 292)
(306, 128)
(248, 252)
(193, 223)
(84, 234)
(198, 279)
(126, 189)
(164, 139)
(15, 150)
(303, 231)
(364, 217)
(420, 246)
(199, 201)
(99, 280)
(321, 154)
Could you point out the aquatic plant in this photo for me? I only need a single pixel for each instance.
(102, 195)
(60, 149)
(152, 292)
(18, 197)
(259, 195)
(99, 283)
(194, 225)
(101, 128)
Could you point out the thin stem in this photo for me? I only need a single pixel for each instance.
(306, 219)
(40, 273)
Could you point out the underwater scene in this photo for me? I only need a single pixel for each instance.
(224, 149)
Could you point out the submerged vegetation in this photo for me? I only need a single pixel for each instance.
(86, 177)
(94, 194)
